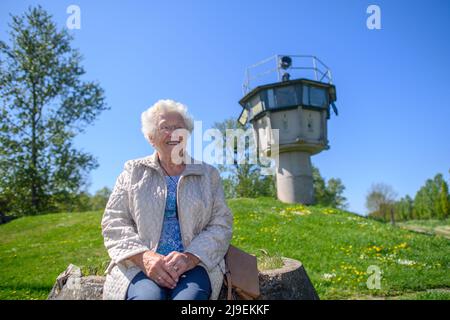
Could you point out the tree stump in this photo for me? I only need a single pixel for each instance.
(72, 285)
(287, 283)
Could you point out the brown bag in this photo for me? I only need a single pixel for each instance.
(241, 274)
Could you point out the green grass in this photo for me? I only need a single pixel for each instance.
(268, 261)
(427, 295)
(335, 247)
(35, 250)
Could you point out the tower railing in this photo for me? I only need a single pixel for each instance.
(273, 66)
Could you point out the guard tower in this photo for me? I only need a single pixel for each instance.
(299, 108)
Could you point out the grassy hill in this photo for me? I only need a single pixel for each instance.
(336, 248)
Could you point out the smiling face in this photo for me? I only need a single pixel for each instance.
(170, 133)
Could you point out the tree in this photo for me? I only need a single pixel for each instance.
(44, 104)
(100, 198)
(429, 202)
(380, 201)
(423, 202)
(242, 178)
(403, 209)
(320, 187)
(444, 200)
(328, 194)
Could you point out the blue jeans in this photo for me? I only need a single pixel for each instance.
(192, 285)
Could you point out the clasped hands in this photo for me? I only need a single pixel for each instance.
(165, 270)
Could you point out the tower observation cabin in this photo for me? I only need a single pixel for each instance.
(299, 108)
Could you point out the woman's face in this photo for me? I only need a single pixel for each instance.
(170, 134)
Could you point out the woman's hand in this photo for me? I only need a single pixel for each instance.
(181, 262)
(156, 268)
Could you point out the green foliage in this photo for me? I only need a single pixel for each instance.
(432, 199)
(444, 200)
(70, 202)
(81, 202)
(100, 198)
(404, 209)
(380, 201)
(44, 104)
(243, 180)
(328, 194)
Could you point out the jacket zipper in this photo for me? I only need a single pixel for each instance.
(163, 211)
(179, 213)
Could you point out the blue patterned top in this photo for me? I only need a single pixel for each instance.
(170, 235)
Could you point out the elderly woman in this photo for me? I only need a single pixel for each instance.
(166, 225)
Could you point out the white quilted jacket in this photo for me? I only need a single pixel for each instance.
(133, 219)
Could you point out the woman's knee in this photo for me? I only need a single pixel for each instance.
(142, 288)
(193, 285)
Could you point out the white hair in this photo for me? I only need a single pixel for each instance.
(150, 117)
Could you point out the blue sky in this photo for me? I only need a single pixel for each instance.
(392, 84)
